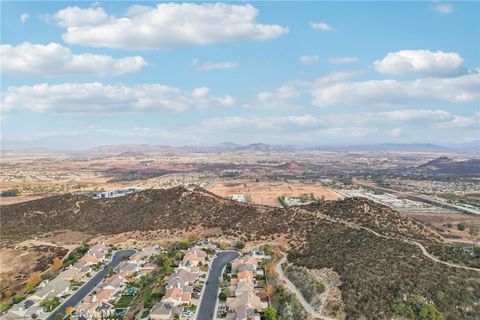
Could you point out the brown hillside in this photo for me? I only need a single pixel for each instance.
(375, 216)
(376, 273)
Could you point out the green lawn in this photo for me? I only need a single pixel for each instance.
(123, 302)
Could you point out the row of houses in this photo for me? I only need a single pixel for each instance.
(59, 287)
(117, 193)
(101, 302)
(244, 304)
(180, 286)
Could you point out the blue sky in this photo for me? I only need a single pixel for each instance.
(308, 73)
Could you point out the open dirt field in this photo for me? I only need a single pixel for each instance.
(440, 222)
(267, 193)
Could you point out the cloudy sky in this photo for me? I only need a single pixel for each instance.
(313, 73)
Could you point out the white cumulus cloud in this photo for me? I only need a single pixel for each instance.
(167, 25)
(210, 66)
(444, 8)
(71, 17)
(309, 59)
(282, 97)
(102, 98)
(423, 62)
(460, 89)
(24, 17)
(322, 26)
(54, 59)
(343, 60)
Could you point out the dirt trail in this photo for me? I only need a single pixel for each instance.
(314, 314)
(317, 315)
(77, 206)
(419, 245)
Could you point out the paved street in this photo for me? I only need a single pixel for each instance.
(81, 293)
(209, 299)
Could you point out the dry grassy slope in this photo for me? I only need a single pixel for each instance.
(180, 209)
(173, 209)
(378, 217)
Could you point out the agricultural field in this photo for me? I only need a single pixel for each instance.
(267, 192)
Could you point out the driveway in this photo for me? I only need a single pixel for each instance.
(83, 291)
(209, 299)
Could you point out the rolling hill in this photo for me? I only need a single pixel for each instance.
(367, 244)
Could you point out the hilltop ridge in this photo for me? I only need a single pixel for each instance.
(370, 246)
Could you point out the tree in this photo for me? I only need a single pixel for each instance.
(50, 304)
(59, 316)
(223, 295)
(33, 280)
(270, 270)
(292, 254)
(111, 272)
(268, 249)
(268, 291)
(320, 287)
(183, 245)
(461, 226)
(239, 245)
(147, 296)
(10, 193)
(270, 313)
(56, 265)
(429, 312)
(69, 310)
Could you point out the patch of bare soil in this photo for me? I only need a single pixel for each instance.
(17, 262)
(267, 193)
(446, 224)
(333, 306)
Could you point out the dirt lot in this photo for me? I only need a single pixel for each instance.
(267, 193)
(441, 221)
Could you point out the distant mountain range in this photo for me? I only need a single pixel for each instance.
(40, 147)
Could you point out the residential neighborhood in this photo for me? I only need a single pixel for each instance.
(153, 283)
(239, 299)
(183, 287)
(50, 293)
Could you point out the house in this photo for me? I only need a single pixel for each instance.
(244, 287)
(176, 282)
(195, 257)
(245, 260)
(163, 310)
(103, 295)
(246, 299)
(127, 266)
(185, 277)
(82, 265)
(114, 282)
(173, 296)
(245, 275)
(90, 259)
(245, 266)
(96, 310)
(243, 313)
(54, 288)
(72, 274)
